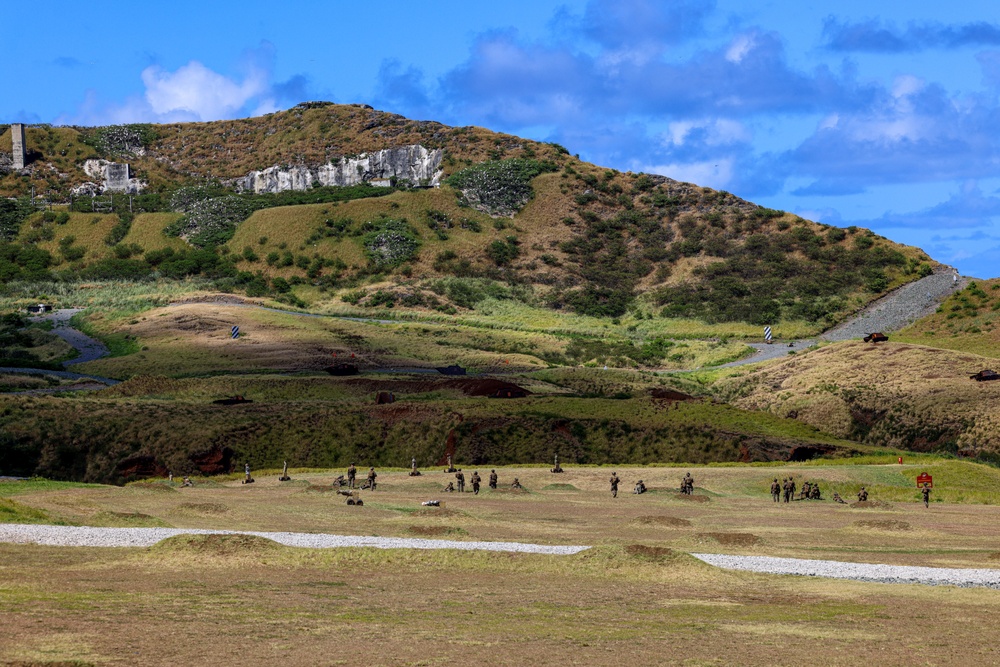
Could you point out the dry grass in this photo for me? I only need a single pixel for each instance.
(147, 232)
(895, 394)
(636, 596)
(965, 322)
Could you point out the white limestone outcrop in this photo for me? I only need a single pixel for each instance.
(109, 177)
(414, 165)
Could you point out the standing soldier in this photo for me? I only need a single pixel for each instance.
(247, 469)
(352, 474)
(614, 484)
(493, 479)
(791, 488)
(460, 476)
(927, 496)
(371, 478)
(475, 482)
(775, 490)
(786, 487)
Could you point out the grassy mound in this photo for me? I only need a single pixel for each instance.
(218, 545)
(12, 511)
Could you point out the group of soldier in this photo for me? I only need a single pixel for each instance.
(786, 490)
(687, 485)
(475, 479)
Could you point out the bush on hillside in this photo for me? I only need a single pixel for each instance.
(389, 242)
(500, 187)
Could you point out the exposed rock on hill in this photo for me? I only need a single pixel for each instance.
(415, 165)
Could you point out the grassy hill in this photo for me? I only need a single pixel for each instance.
(582, 239)
(891, 394)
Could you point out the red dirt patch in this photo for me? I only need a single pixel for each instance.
(670, 395)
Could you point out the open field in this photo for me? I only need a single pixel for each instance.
(194, 338)
(635, 596)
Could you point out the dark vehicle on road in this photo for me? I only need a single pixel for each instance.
(454, 369)
(877, 337)
(985, 375)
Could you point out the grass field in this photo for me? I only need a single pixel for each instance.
(966, 322)
(635, 596)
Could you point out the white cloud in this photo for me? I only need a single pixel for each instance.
(740, 47)
(716, 174)
(197, 90)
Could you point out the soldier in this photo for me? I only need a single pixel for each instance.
(450, 488)
(187, 482)
(246, 469)
(475, 482)
(493, 479)
(639, 487)
(862, 495)
(690, 483)
(775, 490)
(516, 484)
(815, 492)
(460, 476)
(352, 474)
(806, 489)
(371, 478)
(838, 499)
(791, 487)
(927, 496)
(614, 484)
(786, 489)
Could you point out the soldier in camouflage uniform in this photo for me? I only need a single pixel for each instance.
(460, 478)
(493, 479)
(475, 482)
(775, 490)
(615, 481)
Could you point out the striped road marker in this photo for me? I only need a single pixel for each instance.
(767, 334)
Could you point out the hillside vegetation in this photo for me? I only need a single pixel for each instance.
(515, 220)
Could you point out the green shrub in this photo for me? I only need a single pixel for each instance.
(389, 242)
(499, 187)
(503, 252)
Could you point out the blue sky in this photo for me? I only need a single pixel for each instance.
(884, 115)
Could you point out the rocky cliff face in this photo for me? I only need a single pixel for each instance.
(411, 164)
(110, 177)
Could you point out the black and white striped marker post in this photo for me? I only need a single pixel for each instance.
(236, 332)
(767, 334)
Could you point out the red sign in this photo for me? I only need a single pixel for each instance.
(925, 481)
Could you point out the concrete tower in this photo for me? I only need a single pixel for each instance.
(17, 140)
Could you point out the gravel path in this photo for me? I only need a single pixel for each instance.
(895, 310)
(886, 574)
(900, 307)
(89, 348)
(86, 536)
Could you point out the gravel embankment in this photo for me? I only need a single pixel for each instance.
(87, 536)
(885, 574)
(899, 308)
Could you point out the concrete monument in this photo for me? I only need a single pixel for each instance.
(17, 141)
